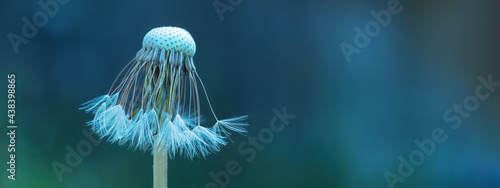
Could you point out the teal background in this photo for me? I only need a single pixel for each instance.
(353, 119)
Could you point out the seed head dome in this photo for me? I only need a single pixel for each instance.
(170, 39)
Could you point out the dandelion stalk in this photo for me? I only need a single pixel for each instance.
(156, 106)
(160, 168)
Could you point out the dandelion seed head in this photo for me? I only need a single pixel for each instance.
(157, 102)
(170, 39)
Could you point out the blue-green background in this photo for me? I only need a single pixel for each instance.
(353, 119)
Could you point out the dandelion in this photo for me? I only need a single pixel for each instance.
(156, 106)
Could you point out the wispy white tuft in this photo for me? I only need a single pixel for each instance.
(92, 105)
(235, 124)
(177, 138)
(180, 136)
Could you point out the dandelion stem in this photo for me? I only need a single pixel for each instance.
(160, 168)
(160, 155)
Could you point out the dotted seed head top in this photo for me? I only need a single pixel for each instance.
(170, 39)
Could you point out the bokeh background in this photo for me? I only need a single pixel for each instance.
(353, 119)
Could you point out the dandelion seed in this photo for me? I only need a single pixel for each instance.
(156, 105)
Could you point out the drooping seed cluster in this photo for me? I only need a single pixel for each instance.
(157, 102)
